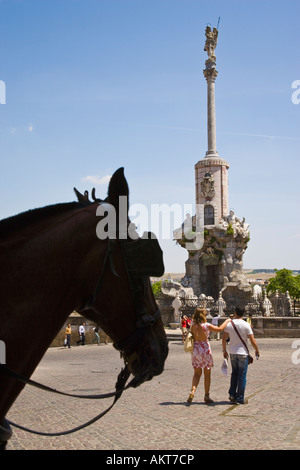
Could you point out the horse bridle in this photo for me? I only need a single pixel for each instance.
(143, 322)
(143, 319)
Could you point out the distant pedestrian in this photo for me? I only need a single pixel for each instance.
(249, 319)
(97, 337)
(184, 327)
(68, 336)
(81, 332)
(239, 331)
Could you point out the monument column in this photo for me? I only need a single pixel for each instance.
(215, 269)
(211, 173)
(210, 75)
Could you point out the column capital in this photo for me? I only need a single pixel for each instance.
(210, 74)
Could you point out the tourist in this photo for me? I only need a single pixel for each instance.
(238, 331)
(202, 355)
(81, 332)
(97, 337)
(184, 327)
(68, 336)
(249, 319)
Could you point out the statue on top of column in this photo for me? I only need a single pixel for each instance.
(211, 42)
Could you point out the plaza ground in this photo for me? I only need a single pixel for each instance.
(155, 416)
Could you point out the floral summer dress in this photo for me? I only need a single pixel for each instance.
(202, 356)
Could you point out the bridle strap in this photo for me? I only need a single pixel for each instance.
(120, 387)
(108, 258)
(14, 375)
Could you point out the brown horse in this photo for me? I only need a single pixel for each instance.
(52, 263)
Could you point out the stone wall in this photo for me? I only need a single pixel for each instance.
(263, 327)
(276, 327)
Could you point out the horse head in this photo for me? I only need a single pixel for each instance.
(134, 322)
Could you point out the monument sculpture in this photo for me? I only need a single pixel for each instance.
(217, 266)
(214, 277)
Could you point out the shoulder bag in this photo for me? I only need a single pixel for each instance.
(189, 342)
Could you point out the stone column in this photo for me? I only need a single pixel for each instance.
(212, 170)
(210, 75)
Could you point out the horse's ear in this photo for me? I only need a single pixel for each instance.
(118, 187)
(81, 197)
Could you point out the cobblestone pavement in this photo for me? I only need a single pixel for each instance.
(155, 415)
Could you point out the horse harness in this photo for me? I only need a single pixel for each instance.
(143, 258)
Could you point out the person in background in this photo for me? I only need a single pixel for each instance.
(81, 332)
(249, 319)
(184, 327)
(68, 336)
(97, 337)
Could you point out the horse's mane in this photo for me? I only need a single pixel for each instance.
(34, 215)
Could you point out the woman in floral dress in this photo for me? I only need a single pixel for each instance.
(201, 355)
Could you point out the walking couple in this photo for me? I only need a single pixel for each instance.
(238, 331)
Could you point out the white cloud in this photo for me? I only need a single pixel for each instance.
(96, 179)
(30, 128)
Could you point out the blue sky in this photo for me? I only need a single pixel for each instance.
(92, 85)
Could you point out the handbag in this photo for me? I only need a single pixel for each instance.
(189, 343)
(250, 358)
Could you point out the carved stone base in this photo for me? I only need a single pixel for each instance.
(219, 263)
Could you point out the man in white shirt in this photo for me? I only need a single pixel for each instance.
(81, 332)
(238, 355)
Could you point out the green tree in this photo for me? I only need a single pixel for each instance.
(156, 288)
(285, 281)
(297, 279)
